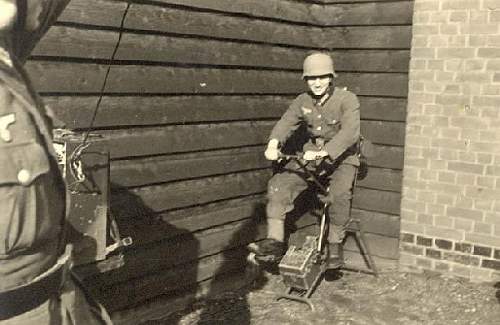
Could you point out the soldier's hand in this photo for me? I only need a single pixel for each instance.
(313, 155)
(272, 153)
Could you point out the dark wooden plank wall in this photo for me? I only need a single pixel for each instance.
(192, 93)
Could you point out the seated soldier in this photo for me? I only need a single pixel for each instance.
(332, 119)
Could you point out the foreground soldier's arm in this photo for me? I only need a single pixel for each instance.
(36, 287)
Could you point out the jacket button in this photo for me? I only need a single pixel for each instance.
(318, 128)
(319, 116)
(24, 176)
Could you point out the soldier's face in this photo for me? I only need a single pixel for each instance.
(318, 84)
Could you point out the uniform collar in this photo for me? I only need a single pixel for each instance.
(320, 101)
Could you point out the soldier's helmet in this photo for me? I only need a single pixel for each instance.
(318, 64)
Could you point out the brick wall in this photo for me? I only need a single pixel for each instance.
(450, 212)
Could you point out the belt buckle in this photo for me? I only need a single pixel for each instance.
(319, 142)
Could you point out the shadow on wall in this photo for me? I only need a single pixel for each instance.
(238, 268)
(161, 261)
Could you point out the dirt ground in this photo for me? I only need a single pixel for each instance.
(353, 298)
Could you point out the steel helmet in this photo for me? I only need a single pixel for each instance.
(318, 64)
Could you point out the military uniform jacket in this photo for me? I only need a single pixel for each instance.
(333, 123)
(32, 193)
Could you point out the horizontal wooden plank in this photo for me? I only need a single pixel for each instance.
(59, 77)
(374, 13)
(189, 193)
(78, 43)
(77, 111)
(382, 179)
(375, 84)
(378, 223)
(387, 157)
(275, 9)
(183, 138)
(385, 109)
(159, 79)
(163, 169)
(94, 12)
(384, 132)
(139, 290)
(371, 60)
(381, 246)
(375, 200)
(214, 214)
(364, 37)
(160, 110)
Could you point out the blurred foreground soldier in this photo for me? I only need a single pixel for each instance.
(332, 119)
(36, 283)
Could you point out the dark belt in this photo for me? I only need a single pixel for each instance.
(26, 298)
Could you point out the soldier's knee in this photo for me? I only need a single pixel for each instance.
(337, 197)
(275, 211)
(277, 192)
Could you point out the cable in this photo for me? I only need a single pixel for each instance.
(75, 165)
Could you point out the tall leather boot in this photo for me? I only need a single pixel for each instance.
(336, 259)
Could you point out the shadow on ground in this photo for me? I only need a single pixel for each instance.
(394, 298)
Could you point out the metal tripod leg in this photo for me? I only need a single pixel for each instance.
(360, 238)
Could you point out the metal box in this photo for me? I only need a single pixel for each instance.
(299, 268)
(88, 190)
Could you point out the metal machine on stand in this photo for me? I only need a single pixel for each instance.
(303, 268)
(90, 226)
